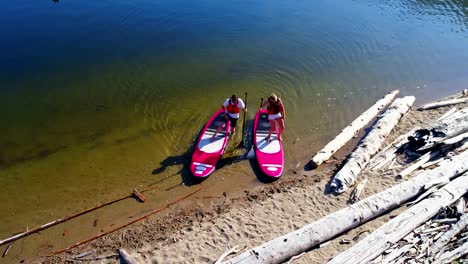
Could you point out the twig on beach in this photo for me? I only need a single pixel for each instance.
(7, 250)
(94, 259)
(227, 253)
(296, 257)
(125, 225)
(62, 220)
(357, 191)
(84, 254)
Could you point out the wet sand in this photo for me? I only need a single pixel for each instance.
(201, 228)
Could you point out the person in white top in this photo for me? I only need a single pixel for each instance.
(232, 107)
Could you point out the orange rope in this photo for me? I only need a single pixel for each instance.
(125, 225)
(61, 220)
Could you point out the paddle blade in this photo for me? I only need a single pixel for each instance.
(251, 153)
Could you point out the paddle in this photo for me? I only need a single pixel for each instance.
(241, 144)
(251, 153)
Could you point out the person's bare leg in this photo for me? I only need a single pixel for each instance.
(280, 128)
(272, 128)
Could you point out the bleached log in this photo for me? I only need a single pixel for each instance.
(443, 103)
(282, 248)
(460, 207)
(350, 131)
(423, 159)
(431, 163)
(448, 257)
(448, 113)
(127, 258)
(391, 232)
(453, 231)
(452, 126)
(456, 139)
(425, 194)
(370, 145)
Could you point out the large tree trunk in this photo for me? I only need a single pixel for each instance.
(370, 145)
(394, 230)
(348, 133)
(449, 127)
(443, 103)
(282, 248)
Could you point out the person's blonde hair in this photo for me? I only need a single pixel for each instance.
(273, 96)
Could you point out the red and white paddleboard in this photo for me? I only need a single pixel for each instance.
(269, 153)
(208, 150)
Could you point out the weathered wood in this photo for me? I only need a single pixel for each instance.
(396, 253)
(370, 145)
(348, 133)
(431, 163)
(452, 126)
(386, 160)
(448, 257)
(443, 103)
(227, 253)
(282, 248)
(448, 113)
(391, 232)
(456, 139)
(460, 207)
(357, 191)
(423, 159)
(127, 258)
(453, 231)
(390, 149)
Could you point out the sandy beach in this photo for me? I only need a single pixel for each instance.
(200, 229)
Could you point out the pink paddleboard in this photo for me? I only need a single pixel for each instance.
(269, 153)
(208, 150)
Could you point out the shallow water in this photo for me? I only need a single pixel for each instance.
(97, 98)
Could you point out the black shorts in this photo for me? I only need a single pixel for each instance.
(233, 121)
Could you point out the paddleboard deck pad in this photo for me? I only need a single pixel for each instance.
(208, 150)
(269, 153)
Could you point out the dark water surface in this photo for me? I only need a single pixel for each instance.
(99, 97)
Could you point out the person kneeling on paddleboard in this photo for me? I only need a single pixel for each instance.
(232, 107)
(276, 114)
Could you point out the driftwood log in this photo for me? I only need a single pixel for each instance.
(391, 232)
(127, 258)
(443, 103)
(350, 131)
(442, 130)
(283, 248)
(453, 231)
(346, 176)
(448, 113)
(448, 257)
(389, 152)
